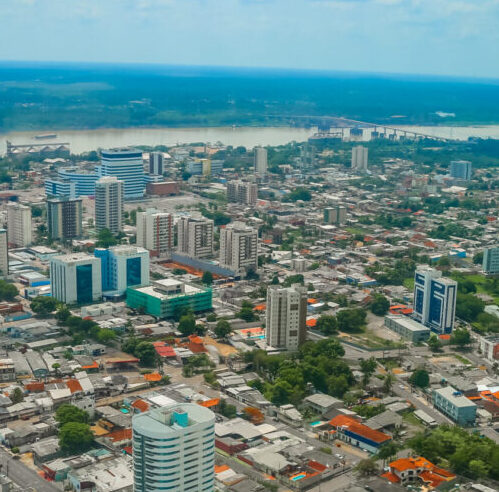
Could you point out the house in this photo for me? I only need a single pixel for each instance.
(454, 405)
(409, 470)
(352, 431)
(321, 403)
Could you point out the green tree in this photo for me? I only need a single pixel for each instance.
(226, 409)
(207, 278)
(223, 329)
(380, 305)
(281, 393)
(460, 337)
(75, 438)
(468, 307)
(146, 352)
(388, 382)
(478, 258)
(69, 413)
(43, 305)
(105, 239)
(293, 279)
(187, 325)
(367, 367)
(327, 324)
(106, 336)
(246, 312)
(367, 467)
(420, 378)
(434, 343)
(351, 320)
(8, 291)
(63, 313)
(387, 451)
(17, 396)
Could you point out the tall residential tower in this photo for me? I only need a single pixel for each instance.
(195, 237)
(239, 248)
(155, 232)
(19, 224)
(109, 194)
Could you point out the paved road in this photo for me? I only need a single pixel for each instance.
(24, 476)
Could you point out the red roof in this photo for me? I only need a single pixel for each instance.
(356, 427)
(140, 405)
(120, 435)
(165, 351)
(74, 385)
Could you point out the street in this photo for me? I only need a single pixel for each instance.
(22, 475)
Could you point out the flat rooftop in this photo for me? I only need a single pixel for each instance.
(455, 397)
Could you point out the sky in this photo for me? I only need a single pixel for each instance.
(442, 37)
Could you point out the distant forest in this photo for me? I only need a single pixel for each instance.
(70, 96)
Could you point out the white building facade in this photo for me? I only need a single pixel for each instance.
(195, 237)
(19, 224)
(155, 232)
(109, 195)
(174, 449)
(4, 253)
(239, 248)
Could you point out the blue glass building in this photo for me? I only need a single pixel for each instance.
(434, 300)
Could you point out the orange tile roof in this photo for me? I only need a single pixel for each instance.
(95, 365)
(221, 468)
(403, 464)
(391, 476)
(152, 377)
(196, 339)
(120, 435)
(260, 307)
(360, 429)
(140, 405)
(444, 337)
(209, 403)
(74, 385)
(311, 322)
(311, 300)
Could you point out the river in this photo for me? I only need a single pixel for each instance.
(86, 140)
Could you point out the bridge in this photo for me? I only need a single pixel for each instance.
(326, 123)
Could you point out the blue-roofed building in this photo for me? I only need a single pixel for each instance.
(434, 300)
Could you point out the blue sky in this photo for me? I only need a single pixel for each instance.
(445, 37)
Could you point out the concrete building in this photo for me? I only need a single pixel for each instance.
(407, 328)
(60, 188)
(195, 237)
(491, 260)
(454, 405)
(260, 160)
(242, 192)
(164, 298)
(84, 180)
(204, 167)
(126, 164)
(186, 463)
(64, 218)
(335, 215)
(109, 195)
(163, 188)
(76, 278)
(19, 224)
(239, 248)
(156, 163)
(489, 347)
(461, 170)
(286, 316)
(122, 267)
(155, 232)
(4, 253)
(434, 300)
(359, 158)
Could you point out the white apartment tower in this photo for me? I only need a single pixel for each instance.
(76, 278)
(109, 193)
(286, 316)
(359, 158)
(260, 160)
(239, 248)
(156, 163)
(195, 237)
(155, 232)
(174, 449)
(242, 192)
(4, 253)
(19, 224)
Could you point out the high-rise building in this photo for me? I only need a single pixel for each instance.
(155, 232)
(64, 218)
(60, 188)
(461, 170)
(239, 248)
(286, 316)
(83, 180)
(260, 160)
(195, 237)
(359, 158)
(174, 449)
(19, 224)
(122, 267)
(4, 253)
(205, 167)
(242, 192)
(109, 204)
(127, 165)
(335, 215)
(491, 260)
(434, 300)
(156, 163)
(76, 278)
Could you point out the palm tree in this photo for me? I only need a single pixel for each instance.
(388, 382)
